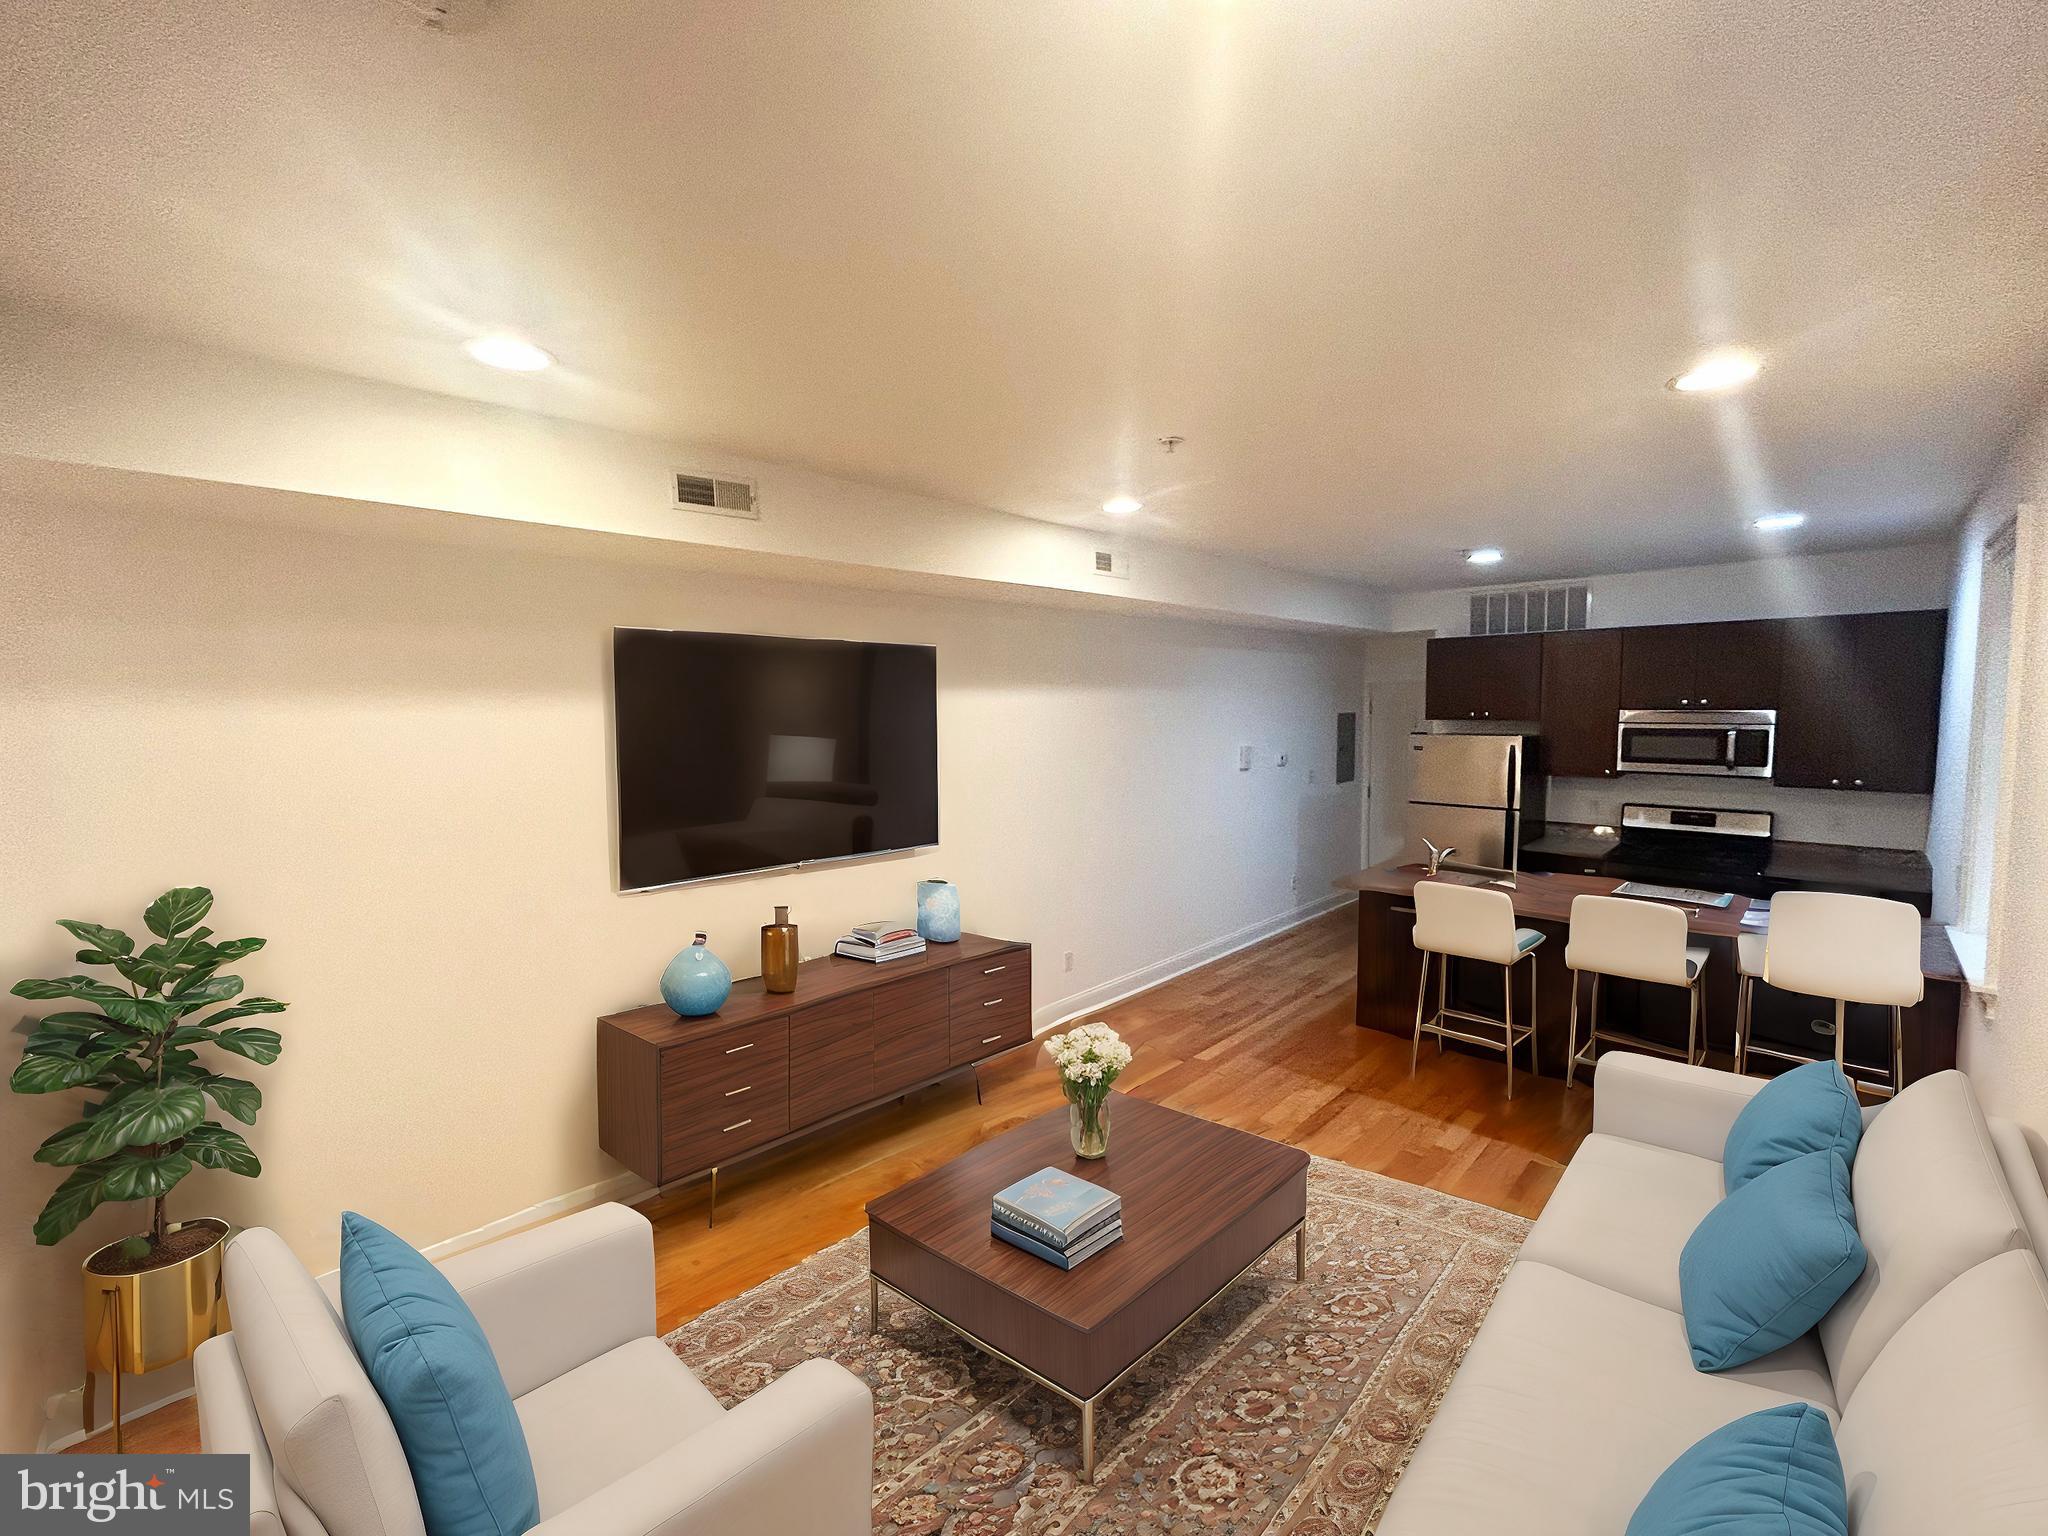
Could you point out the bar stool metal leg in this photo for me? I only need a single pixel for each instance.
(1898, 1049)
(1421, 992)
(1507, 1018)
(1534, 1068)
(1571, 1039)
(1743, 989)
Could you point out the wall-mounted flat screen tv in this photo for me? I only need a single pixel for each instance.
(745, 752)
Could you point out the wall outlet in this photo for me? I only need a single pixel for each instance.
(1068, 963)
(1244, 759)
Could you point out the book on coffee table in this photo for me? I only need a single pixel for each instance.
(1055, 1207)
(1066, 1258)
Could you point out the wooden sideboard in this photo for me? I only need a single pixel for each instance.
(678, 1097)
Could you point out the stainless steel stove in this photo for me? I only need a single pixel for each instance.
(1684, 845)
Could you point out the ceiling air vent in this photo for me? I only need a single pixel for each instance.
(727, 498)
(1530, 610)
(1113, 562)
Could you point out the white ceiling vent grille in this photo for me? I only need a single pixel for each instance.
(727, 498)
(1113, 562)
(1530, 610)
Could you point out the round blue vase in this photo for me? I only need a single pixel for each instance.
(696, 982)
(938, 911)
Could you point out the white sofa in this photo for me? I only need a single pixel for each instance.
(1579, 1390)
(624, 1440)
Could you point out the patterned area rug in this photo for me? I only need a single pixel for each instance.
(1283, 1408)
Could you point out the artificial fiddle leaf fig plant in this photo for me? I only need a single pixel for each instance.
(133, 1047)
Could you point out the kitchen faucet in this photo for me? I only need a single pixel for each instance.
(1437, 855)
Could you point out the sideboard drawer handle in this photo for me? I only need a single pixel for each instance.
(735, 1050)
(991, 1002)
(992, 1039)
(733, 1093)
(993, 969)
(746, 1122)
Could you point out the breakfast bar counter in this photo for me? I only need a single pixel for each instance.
(1390, 970)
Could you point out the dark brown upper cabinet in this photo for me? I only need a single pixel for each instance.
(1860, 701)
(1484, 677)
(1581, 701)
(1702, 666)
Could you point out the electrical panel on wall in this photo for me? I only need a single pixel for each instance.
(716, 494)
(1113, 562)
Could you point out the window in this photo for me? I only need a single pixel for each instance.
(2001, 617)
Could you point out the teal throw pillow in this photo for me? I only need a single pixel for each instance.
(1767, 1263)
(1809, 1109)
(429, 1361)
(1773, 1473)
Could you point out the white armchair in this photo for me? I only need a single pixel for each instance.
(624, 1440)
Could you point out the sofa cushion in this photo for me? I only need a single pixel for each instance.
(1946, 1430)
(1569, 1403)
(331, 1442)
(1621, 1214)
(1809, 1109)
(1774, 1472)
(1931, 1202)
(591, 1426)
(1769, 1261)
(433, 1369)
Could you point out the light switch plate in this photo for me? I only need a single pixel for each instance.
(1244, 759)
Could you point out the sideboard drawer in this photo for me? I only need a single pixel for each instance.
(984, 1026)
(702, 1069)
(710, 1136)
(1004, 975)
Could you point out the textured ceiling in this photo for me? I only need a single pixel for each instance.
(1406, 275)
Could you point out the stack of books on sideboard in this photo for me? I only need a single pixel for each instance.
(1061, 1219)
(881, 940)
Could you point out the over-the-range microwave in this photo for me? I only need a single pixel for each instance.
(1735, 743)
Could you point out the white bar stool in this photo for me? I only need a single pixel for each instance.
(1638, 941)
(1467, 923)
(1854, 949)
(1749, 970)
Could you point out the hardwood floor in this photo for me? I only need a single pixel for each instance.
(1262, 1039)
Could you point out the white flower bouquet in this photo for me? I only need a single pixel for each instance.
(1089, 1059)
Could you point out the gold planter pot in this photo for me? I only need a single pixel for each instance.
(152, 1318)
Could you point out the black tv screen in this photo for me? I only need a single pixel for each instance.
(745, 752)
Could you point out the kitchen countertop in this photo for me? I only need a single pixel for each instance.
(1548, 898)
(1904, 870)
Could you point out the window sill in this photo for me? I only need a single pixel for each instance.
(1971, 949)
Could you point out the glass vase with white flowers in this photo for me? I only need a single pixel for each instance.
(1089, 1060)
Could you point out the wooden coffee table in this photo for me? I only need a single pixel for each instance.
(1201, 1204)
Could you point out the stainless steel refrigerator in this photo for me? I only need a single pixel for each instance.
(1482, 795)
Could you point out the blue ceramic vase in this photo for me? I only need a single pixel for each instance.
(696, 982)
(938, 911)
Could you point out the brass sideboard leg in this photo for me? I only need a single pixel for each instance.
(1301, 1252)
(713, 1221)
(1088, 1441)
(977, 1082)
(874, 1304)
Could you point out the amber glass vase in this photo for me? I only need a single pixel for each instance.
(778, 953)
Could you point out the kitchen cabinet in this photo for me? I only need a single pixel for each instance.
(1701, 666)
(1860, 701)
(1484, 677)
(1581, 701)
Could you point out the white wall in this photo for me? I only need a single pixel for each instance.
(82, 394)
(2005, 1051)
(388, 757)
(1901, 578)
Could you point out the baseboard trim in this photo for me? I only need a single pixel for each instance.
(1145, 978)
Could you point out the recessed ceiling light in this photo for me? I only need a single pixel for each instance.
(507, 352)
(1777, 522)
(1487, 556)
(1122, 506)
(1718, 372)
